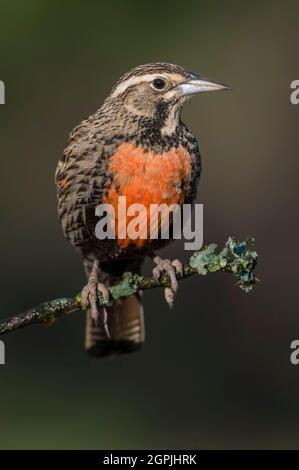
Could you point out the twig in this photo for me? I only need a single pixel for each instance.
(235, 258)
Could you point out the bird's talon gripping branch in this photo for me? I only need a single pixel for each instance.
(169, 296)
(102, 289)
(172, 269)
(90, 298)
(178, 265)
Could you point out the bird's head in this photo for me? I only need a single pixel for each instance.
(157, 92)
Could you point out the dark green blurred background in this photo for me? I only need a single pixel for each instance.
(215, 371)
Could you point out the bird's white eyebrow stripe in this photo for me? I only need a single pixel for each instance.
(123, 86)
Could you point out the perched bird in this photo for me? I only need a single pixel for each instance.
(136, 146)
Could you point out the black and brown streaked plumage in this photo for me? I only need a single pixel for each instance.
(136, 146)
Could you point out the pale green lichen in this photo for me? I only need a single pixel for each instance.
(236, 257)
(128, 286)
(205, 260)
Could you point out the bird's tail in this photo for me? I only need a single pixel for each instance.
(125, 325)
(125, 322)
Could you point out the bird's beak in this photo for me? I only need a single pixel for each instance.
(200, 85)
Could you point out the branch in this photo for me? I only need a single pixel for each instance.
(235, 258)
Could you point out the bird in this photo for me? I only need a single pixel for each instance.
(135, 145)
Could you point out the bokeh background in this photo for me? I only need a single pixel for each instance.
(214, 372)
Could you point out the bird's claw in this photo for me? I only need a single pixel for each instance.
(172, 269)
(90, 301)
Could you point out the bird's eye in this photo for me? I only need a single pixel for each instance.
(159, 83)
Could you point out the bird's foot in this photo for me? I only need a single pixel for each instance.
(172, 269)
(90, 301)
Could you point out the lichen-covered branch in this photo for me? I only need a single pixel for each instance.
(235, 258)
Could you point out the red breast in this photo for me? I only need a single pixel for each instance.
(146, 178)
